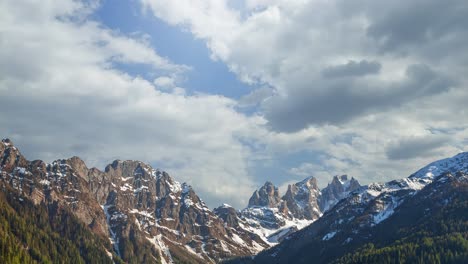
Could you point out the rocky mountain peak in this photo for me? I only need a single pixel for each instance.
(301, 199)
(228, 214)
(341, 179)
(7, 142)
(79, 166)
(309, 182)
(338, 189)
(267, 195)
(10, 156)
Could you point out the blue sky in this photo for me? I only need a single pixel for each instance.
(206, 75)
(226, 95)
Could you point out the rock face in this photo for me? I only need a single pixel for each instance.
(135, 206)
(302, 199)
(267, 196)
(338, 189)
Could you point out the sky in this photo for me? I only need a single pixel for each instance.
(226, 94)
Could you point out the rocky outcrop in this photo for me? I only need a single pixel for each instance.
(338, 189)
(302, 199)
(267, 195)
(228, 214)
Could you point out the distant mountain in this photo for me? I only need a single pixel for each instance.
(273, 217)
(422, 218)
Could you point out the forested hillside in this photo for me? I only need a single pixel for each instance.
(46, 234)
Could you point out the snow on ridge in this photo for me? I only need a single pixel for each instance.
(175, 186)
(262, 220)
(387, 211)
(113, 238)
(159, 244)
(456, 163)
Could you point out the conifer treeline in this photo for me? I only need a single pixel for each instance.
(46, 234)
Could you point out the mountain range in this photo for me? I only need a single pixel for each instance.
(133, 213)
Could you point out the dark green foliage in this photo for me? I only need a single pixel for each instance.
(440, 235)
(451, 248)
(135, 249)
(46, 234)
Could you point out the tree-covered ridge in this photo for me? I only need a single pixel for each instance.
(450, 248)
(46, 234)
(432, 229)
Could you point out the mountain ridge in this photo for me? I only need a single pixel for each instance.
(356, 217)
(148, 216)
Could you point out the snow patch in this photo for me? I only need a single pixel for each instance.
(159, 244)
(44, 182)
(329, 236)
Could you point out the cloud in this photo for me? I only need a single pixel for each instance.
(392, 78)
(164, 82)
(256, 97)
(403, 27)
(337, 102)
(285, 44)
(416, 147)
(61, 94)
(352, 68)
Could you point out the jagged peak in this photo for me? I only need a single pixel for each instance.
(7, 142)
(186, 188)
(268, 184)
(77, 160)
(8, 145)
(267, 195)
(118, 162)
(309, 181)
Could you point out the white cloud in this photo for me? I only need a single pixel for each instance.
(413, 81)
(61, 95)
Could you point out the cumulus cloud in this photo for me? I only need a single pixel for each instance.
(351, 78)
(352, 68)
(62, 95)
(286, 43)
(414, 147)
(338, 101)
(256, 97)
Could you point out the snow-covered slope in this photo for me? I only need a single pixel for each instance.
(454, 164)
